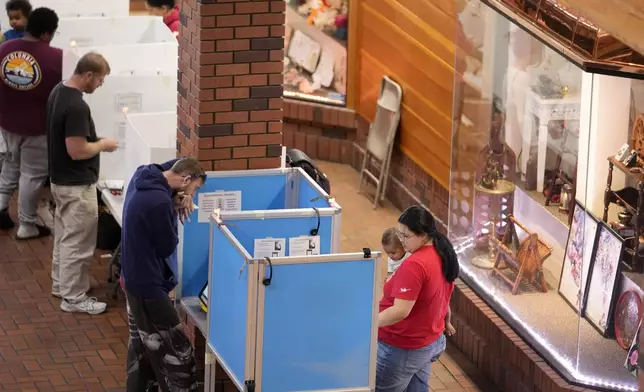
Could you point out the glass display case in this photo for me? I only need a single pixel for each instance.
(315, 50)
(547, 182)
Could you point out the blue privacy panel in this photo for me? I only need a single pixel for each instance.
(257, 192)
(317, 326)
(228, 305)
(248, 230)
(307, 192)
(195, 247)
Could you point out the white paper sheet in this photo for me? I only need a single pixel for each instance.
(222, 200)
(269, 247)
(119, 135)
(132, 101)
(324, 72)
(304, 246)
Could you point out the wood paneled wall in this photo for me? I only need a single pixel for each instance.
(411, 41)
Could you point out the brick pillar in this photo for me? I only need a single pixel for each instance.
(230, 83)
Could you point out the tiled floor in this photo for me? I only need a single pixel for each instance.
(43, 349)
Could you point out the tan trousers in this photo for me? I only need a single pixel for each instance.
(75, 231)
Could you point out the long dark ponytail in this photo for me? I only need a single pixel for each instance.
(420, 221)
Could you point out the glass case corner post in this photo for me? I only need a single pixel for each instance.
(493, 190)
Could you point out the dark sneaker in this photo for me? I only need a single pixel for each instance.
(6, 222)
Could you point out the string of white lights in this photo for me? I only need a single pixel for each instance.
(561, 359)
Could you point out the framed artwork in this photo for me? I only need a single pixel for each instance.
(578, 260)
(602, 287)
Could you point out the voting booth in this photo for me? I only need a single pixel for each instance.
(77, 9)
(142, 54)
(294, 323)
(263, 205)
(149, 138)
(121, 30)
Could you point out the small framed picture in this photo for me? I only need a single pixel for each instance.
(578, 260)
(602, 288)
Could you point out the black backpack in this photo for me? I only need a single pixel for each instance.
(297, 158)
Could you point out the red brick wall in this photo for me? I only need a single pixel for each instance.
(502, 355)
(230, 83)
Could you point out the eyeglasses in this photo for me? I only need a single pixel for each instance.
(404, 236)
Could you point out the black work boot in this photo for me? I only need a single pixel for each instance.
(6, 222)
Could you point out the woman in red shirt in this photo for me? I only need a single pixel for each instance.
(414, 305)
(166, 9)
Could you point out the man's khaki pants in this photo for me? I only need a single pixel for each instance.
(75, 230)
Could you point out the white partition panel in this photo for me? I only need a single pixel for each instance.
(149, 138)
(77, 8)
(125, 30)
(143, 80)
(126, 59)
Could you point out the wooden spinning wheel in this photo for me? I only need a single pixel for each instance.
(637, 137)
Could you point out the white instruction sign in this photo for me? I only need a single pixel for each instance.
(304, 246)
(132, 101)
(269, 247)
(121, 127)
(218, 200)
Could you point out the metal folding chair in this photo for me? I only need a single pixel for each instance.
(382, 133)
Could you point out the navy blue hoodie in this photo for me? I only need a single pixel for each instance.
(149, 236)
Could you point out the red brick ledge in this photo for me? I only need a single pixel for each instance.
(319, 114)
(502, 355)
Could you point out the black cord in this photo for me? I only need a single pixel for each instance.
(317, 229)
(267, 281)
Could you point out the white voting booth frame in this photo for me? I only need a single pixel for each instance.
(149, 138)
(77, 9)
(280, 324)
(143, 77)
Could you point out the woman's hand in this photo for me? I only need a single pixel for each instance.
(449, 329)
(183, 204)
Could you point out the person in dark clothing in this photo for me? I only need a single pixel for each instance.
(159, 353)
(29, 70)
(74, 165)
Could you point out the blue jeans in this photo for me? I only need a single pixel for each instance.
(401, 370)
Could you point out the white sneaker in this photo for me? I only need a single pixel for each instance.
(89, 305)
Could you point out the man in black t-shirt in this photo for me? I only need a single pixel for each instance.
(74, 151)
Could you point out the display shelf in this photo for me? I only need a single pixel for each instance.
(192, 306)
(546, 318)
(631, 199)
(563, 138)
